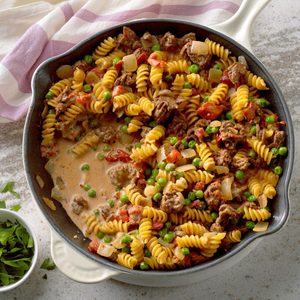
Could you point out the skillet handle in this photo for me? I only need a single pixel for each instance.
(239, 25)
(76, 266)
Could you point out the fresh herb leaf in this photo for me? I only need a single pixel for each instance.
(2, 204)
(48, 264)
(15, 207)
(9, 187)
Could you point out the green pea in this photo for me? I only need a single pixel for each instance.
(192, 196)
(163, 232)
(199, 194)
(228, 115)
(187, 85)
(92, 193)
(205, 98)
(251, 198)
(239, 174)
(124, 199)
(51, 112)
(282, 150)
(116, 60)
(85, 167)
(253, 129)
(126, 239)
(111, 203)
(100, 235)
(179, 175)
(154, 172)
(107, 239)
(169, 78)
(107, 95)
(100, 156)
(173, 140)
(185, 251)
(194, 68)
(168, 237)
(127, 120)
(217, 66)
(138, 145)
(187, 201)
(247, 194)
(274, 151)
(214, 215)
(94, 123)
(214, 129)
(192, 144)
(161, 165)
(270, 119)
(196, 162)
(278, 170)
(50, 95)
(88, 59)
(162, 181)
(106, 148)
(168, 225)
(118, 189)
(155, 47)
(250, 224)
(126, 249)
(96, 212)
(170, 167)
(86, 187)
(148, 172)
(208, 129)
(251, 153)
(147, 253)
(262, 102)
(157, 196)
(124, 128)
(87, 88)
(203, 204)
(184, 143)
(152, 124)
(144, 266)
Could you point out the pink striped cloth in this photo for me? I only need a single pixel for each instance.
(74, 21)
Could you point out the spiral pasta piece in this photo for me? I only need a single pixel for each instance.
(262, 150)
(177, 218)
(234, 236)
(137, 250)
(269, 191)
(155, 134)
(145, 229)
(219, 94)
(135, 197)
(154, 265)
(144, 152)
(92, 224)
(216, 49)
(255, 81)
(127, 260)
(226, 63)
(191, 228)
(72, 112)
(214, 241)
(155, 214)
(134, 125)
(85, 144)
(177, 84)
(192, 241)
(48, 129)
(206, 157)
(113, 227)
(98, 106)
(198, 82)
(106, 46)
(109, 78)
(177, 66)
(253, 214)
(255, 186)
(156, 74)
(191, 110)
(157, 250)
(268, 175)
(123, 100)
(197, 215)
(59, 86)
(146, 105)
(142, 78)
(195, 176)
(132, 109)
(180, 185)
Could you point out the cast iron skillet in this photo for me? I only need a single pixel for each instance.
(34, 164)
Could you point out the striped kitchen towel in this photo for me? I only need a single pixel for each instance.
(65, 24)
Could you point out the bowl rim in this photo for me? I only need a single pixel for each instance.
(23, 222)
(111, 265)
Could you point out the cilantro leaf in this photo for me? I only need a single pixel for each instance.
(15, 207)
(48, 264)
(9, 187)
(2, 204)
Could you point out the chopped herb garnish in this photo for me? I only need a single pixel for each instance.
(15, 207)
(2, 204)
(48, 264)
(9, 188)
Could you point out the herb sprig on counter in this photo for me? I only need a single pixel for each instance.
(16, 252)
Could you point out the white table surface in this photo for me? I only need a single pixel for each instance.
(271, 271)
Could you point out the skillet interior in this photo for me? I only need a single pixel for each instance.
(34, 164)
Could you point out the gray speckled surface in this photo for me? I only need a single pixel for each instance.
(272, 271)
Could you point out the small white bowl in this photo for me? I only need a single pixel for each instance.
(12, 216)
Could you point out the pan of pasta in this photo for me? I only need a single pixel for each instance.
(159, 149)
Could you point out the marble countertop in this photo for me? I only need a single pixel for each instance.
(271, 271)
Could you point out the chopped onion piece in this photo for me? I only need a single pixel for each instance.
(40, 181)
(178, 253)
(263, 201)
(185, 168)
(222, 169)
(130, 63)
(199, 48)
(226, 188)
(188, 153)
(56, 194)
(117, 242)
(261, 227)
(161, 153)
(150, 190)
(242, 60)
(214, 75)
(231, 91)
(105, 250)
(215, 123)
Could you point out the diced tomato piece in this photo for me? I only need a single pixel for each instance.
(135, 210)
(199, 133)
(83, 99)
(225, 79)
(218, 140)
(173, 156)
(250, 111)
(153, 62)
(196, 204)
(118, 90)
(117, 155)
(141, 58)
(157, 225)
(122, 215)
(210, 111)
(93, 246)
(119, 65)
(199, 185)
